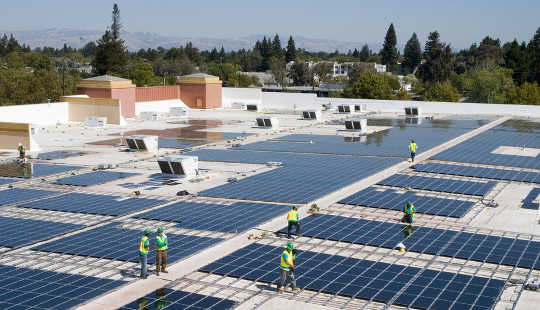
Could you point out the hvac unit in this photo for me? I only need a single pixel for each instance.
(94, 121)
(239, 106)
(313, 114)
(149, 116)
(346, 108)
(268, 122)
(360, 108)
(359, 124)
(178, 111)
(142, 143)
(179, 165)
(252, 107)
(413, 112)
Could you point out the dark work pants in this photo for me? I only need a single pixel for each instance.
(289, 228)
(407, 218)
(412, 155)
(283, 278)
(161, 260)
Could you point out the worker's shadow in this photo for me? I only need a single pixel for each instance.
(267, 287)
(133, 272)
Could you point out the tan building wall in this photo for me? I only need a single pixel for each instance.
(213, 96)
(81, 108)
(11, 134)
(201, 96)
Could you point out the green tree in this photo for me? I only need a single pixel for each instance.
(412, 54)
(116, 25)
(370, 86)
(534, 50)
(323, 71)
(441, 91)
(279, 71)
(290, 53)
(517, 58)
(364, 53)
(111, 56)
(356, 70)
(490, 85)
(389, 51)
(527, 93)
(300, 74)
(393, 82)
(141, 74)
(277, 50)
(438, 60)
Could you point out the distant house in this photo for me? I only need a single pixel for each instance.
(342, 69)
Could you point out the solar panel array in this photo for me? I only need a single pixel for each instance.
(236, 217)
(439, 184)
(480, 172)
(116, 243)
(528, 202)
(427, 240)
(4, 181)
(57, 155)
(93, 204)
(14, 195)
(23, 288)
(29, 170)
(165, 298)
(94, 178)
(479, 148)
(394, 200)
(184, 143)
(19, 232)
(364, 279)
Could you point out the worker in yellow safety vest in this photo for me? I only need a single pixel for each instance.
(293, 220)
(408, 213)
(22, 152)
(144, 247)
(286, 266)
(412, 148)
(162, 244)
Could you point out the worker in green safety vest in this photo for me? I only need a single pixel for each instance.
(293, 220)
(22, 152)
(408, 213)
(412, 148)
(161, 302)
(143, 304)
(144, 247)
(287, 268)
(161, 255)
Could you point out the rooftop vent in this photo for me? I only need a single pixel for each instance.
(179, 165)
(312, 115)
(359, 124)
(413, 112)
(178, 111)
(95, 121)
(268, 122)
(142, 143)
(346, 108)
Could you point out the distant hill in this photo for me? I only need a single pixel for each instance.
(54, 37)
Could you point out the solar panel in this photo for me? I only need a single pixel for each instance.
(124, 243)
(21, 232)
(439, 184)
(94, 178)
(4, 181)
(24, 288)
(528, 202)
(363, 279)
(394, 200)
(165, 298)
(426, 240)
(15, 195)
(93, 204)
(236, 217)
(479, 149)
(480, 172)
(57, 155)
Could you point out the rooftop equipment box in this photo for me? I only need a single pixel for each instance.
(413, 112)
(178, 111)
(95, 121)
(346, 108)
(142, 143)
(149, 116)
(179, 165)
(268, 122)
(312, 114)
(359, 124)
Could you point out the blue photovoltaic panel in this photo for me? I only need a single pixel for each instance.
(57, 155)
(528, 202)
(391, 199)
(124, 244)
(14, 195)
(165, 298)
(391, 142)
(30, 170)
(440, 185)
(480, 172)
(93, 204)
(24, 288)
(4, 181)
(363, 279)
(94, 178)
(479, 149)
(172, 143)
(302, 179)
(236, 217)
(21, 232)
(426, 240)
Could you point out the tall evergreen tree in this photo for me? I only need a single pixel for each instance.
(365, 53)
(111, 55)
(439, 61)
(116, 25)
(516, 57)
(277, 50)
(534, 50)
(290, 54)
(356, 53)
(389, 52)
(412, 54)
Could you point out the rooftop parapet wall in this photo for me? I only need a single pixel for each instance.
(11, 134)
(157, 93)
(80, 108)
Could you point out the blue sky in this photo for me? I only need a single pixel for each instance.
(459, 22)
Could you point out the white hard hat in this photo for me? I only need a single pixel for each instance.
(20, 143)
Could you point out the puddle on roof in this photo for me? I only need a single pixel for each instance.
(15, 169)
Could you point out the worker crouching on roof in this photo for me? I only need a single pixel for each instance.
(408, 213)
(22, 152)
(287, 268)
(161, 255)
(412, 148)
(144, 247)
(293, 220)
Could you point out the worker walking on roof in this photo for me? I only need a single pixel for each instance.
(287, 268)
(292, 219)
(161, 255)
(144, 247)
(412, 148)
(408, 213)
(22, 152)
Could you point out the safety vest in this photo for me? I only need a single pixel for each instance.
(409, 210)
(142, 250)
(292, 216)
(284, 263)
(413, 147)
(161, 240)
(21, 149)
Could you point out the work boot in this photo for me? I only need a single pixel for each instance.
(164, 271)
(296, 289)
(157, 273)
(281, 289)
